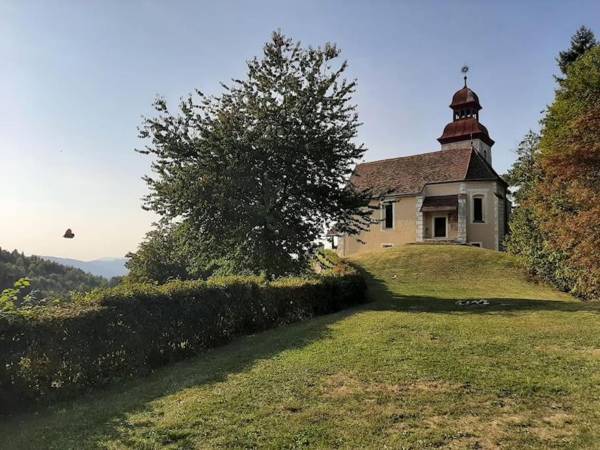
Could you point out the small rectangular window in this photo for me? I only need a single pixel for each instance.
(389, 215)
(477, 209)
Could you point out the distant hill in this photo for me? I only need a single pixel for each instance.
(103, 267)
(49, 278)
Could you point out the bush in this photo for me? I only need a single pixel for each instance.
(57, 352)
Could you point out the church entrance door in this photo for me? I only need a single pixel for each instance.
(439, 227)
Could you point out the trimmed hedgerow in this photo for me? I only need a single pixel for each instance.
(57, 352)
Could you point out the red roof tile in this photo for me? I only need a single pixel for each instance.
(410, 174)
(464, 97)
(463, 129)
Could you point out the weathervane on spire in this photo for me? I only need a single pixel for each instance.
(464, 70)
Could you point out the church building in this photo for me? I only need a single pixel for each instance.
(452, 195)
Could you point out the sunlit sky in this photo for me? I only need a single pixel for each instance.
(76, 77)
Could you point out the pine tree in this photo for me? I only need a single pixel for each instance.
(258, 172)
(582, 41)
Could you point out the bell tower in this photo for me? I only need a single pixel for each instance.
(465, 130)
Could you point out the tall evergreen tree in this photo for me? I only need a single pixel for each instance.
(525, 173)
(582, 41)
(258, 172)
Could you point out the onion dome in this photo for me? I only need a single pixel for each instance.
(465, 124)
(465, 97)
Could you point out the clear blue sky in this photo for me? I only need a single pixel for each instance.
(76, 76)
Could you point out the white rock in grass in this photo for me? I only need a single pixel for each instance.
(472, 302)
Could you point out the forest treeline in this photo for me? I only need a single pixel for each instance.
(47, 278)
(555, 226)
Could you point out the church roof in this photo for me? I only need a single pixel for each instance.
(409, 174)
(466, 128)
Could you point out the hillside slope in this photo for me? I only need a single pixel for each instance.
(412, 369)
(48, 277)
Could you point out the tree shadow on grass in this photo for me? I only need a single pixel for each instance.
(390, 300)
(102, 413)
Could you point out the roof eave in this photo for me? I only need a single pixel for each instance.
(482, 136)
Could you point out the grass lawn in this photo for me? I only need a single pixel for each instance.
(411, 369)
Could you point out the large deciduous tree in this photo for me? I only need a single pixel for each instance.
(168, 252)
(257, 172)
(526, 238)
(556, 223)
(567, 198)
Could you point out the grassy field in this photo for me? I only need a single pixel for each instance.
(411, 369)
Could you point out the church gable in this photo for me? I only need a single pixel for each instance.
(480, 169)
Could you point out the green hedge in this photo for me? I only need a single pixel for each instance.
(57, 352)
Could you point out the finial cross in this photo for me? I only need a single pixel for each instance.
(465, 70)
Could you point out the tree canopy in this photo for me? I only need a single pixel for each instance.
(526, 238)
(257, 173)
(170, 252)
(556, 224)
(567, 197)
(582, 41)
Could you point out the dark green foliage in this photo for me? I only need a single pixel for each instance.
(582, 41)
(169, 252)
(47, 278)
(525, 173)
(541, 259)
(257, 174)
(57, 352)
(173, 251)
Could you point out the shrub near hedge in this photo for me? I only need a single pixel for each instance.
(57, 352)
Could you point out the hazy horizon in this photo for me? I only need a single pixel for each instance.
(78, 76)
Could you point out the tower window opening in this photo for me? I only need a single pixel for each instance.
(478, 209)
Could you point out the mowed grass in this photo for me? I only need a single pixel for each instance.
(411, 369)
